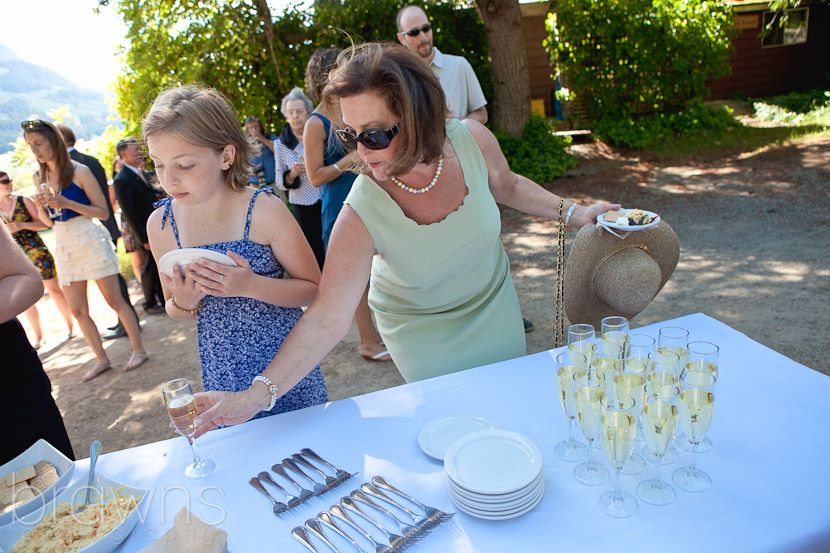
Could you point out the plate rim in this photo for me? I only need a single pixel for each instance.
(615, 226)
(526, 501)
(164, 259)
(495, 498)
(430, 426)
(529, 508)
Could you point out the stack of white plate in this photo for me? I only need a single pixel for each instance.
(494, 474)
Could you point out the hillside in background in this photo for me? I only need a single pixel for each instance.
(28, 90)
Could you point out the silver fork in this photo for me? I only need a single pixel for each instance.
(279, 469)
(277, 507)
(314, 527)
(289, 499)
(340, 512)
(339, 474)
(317, 487)
(394, 540)
(301, 536)
(327, 520)
(418, 520)
(330, 481)
(407, 530)
(432, 513)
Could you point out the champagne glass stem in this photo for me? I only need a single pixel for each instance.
(618, 496)
(658, 459)
(591, 453)
(571, 421)
(692, 465)
(196, 460)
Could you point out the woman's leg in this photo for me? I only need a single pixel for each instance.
(33, 317)
(371, 344)
(57, 296)
(76, 296)
(135, 261)
(109, 289)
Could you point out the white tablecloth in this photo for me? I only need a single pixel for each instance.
(770, 466)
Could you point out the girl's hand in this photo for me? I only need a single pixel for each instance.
(585, 215)
(183, 287)
(223, 280)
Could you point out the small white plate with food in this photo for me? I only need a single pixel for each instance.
(32, 479)
(184, 256)
(629, 219)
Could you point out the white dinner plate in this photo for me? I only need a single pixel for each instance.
(184, 256)
(504, 515)
(41, 450)
(495, 499)
(103, 488)
(627, 228)
(437, 436)
(493, 462)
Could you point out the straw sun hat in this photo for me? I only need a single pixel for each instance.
(606, 276)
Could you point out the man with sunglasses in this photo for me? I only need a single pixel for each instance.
(465, 100)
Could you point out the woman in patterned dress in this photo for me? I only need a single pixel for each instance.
(20, 216)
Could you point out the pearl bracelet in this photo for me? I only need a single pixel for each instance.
(271, 388)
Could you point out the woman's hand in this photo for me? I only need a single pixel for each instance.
(585, 215)
(223, 280)
(217, 408)
(14, 226)
(298, 169)
(40, 200)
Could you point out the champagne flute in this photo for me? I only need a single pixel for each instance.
(629, 380)
(619, 428)
(703, 356)
(662, 372)
(674, 338)
(581, 339)
(604, 357)
(181, 407)
(588, 391)
(659, 425)
(567, 364)
(638, 346)
(46, 190)
(614, 330)
(696, 404)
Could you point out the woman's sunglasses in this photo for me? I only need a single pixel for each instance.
(418, 30)
(34, 125)
(374, 138)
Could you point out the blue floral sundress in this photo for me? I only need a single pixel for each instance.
(238, 336)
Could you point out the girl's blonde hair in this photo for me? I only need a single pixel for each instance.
(205, 118)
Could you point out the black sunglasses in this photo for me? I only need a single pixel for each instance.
(34, 125)
(374, 138)
(418, 30)
(5, 181)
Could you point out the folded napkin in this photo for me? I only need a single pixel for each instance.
(190, 534)
(601, 227)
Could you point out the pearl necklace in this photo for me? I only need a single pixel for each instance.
(425, 188)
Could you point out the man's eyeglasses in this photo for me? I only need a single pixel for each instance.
(418, 30)
(5, 180)
(374, 138)
(34, 125)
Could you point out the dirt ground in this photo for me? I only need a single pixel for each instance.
(753, 236)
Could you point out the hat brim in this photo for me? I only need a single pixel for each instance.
(590, 248)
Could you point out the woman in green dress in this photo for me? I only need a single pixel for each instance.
(422, 219)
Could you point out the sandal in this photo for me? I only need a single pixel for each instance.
(376, 358)
(96, 370)
(137, 359)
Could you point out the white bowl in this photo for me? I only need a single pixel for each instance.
(185, 256)
(41, 450)
(103, 488)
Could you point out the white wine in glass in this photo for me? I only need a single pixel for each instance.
(589, 389)
(696, 406)
(619, 429)
(638, 346)
(615, 331)
(675, 339)
(181, 408)
(659, 425)
(629, 380)
(581, 340)
(604, 358)
(659, 383)
(703, 356)
(568, 364)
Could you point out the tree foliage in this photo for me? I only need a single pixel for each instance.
(626, 57)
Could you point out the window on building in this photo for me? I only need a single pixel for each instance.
(786, 30)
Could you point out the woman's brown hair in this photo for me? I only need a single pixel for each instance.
(205, 118)
(412, 93)
(322, 61)
(66, 169)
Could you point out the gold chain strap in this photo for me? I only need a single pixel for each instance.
(559, 316)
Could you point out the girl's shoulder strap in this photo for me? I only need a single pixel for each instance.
(167, 205)
(267, 190)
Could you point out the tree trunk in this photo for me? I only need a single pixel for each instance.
(511, 83)
(264, 13)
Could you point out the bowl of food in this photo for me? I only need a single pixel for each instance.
(32, 479)
(113, 511)
(629, 219)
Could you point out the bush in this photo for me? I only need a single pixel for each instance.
(627, 57)
(538, 154)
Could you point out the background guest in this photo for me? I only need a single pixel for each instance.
(127, 235)
(20, 216)
(264, 173)
(83, 248)
(290, 163)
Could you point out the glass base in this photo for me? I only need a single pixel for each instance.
(634, 464)
(656, 492)
(703, 447)
(202, 469)
(591, 473)
(571, 451)
(618, 506)
(691, 480)
(671, 456)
